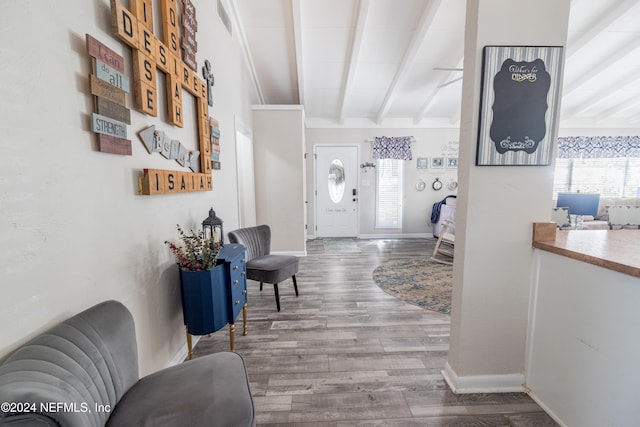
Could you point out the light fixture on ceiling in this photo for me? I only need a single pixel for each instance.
(450, 81)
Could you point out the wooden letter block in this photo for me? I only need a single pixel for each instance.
(190, 81)
(171, 181)
(192, 181)
(171, 39)
(205, 164)
(144, 68)
(147, 41)
(124, 24)
(146, 98)
(174, 101)
(143, 10)
(175, 65)
(183, 182)
(104, 54)
(169, 10)
(203, 108)
(153, 182)
(162, 57)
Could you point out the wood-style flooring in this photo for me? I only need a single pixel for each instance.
(345, 353)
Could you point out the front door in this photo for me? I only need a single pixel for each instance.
(336, 169)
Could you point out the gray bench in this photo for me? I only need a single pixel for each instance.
(84, 372)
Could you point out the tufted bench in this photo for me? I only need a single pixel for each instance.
(84, 372)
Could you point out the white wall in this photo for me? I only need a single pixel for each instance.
(278, 147)
(583, 355)
(73, 229)
(417, 205)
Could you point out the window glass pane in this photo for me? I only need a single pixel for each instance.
(336, 181)
(562, 177)
(389, 194)
(604, 176)
(632, 179)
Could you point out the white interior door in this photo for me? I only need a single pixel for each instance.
(336, 182)
(246, 184)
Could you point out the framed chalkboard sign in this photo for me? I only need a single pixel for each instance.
(519, 105)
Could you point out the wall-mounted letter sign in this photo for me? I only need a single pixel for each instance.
(151, 54)
(109, 86)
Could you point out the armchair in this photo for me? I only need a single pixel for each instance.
(262, 265)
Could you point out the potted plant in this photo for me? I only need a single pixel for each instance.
(204, 294)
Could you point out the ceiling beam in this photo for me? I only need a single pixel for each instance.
(631, 102)
(613, 88)
(356, 47)
(428, 14)
(297, 37)
(599, 25)
(603, 65)
(246, 53)
(454, 58)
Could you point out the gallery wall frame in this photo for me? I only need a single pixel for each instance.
(519, 105)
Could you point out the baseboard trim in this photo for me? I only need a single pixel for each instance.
(508, 383)
(395, 236)
(183, 352)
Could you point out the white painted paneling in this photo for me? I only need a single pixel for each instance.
(582, 357)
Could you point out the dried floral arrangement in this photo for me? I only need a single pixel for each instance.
(195, 252)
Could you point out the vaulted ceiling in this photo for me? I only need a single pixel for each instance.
(361, 63)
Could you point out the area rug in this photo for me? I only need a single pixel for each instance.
(417, 281)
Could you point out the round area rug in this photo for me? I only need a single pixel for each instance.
(418, 281)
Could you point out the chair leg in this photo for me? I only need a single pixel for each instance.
(275, 288)
(295, 284)
(260, 286)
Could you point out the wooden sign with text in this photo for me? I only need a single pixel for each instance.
(151, 54)
(158, 181)
(109, 86)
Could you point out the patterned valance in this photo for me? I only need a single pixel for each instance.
(392, 147)
(591, 147)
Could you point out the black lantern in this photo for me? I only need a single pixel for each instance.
(212, 227)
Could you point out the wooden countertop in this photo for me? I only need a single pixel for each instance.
(617, 250)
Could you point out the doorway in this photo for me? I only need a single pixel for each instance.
(245, 177)
(336, 185)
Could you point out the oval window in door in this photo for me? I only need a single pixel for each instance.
(336, 181)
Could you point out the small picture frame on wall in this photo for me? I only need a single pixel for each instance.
(437, 162)
(422, 162)
(452, 162)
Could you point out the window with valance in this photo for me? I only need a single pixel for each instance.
(608, 165)
(598, 147)
(392, 147)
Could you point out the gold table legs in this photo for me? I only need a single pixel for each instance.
(244, 319)
(232, 330)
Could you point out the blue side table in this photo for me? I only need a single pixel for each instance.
(214, 298)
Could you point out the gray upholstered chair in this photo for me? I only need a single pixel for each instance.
(262, 265)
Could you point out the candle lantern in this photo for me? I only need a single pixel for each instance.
(212, 227)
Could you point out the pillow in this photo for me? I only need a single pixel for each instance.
(561, 217)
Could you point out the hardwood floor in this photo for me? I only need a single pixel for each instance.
(345, 353)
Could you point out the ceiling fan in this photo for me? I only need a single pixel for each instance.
(448, 69)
